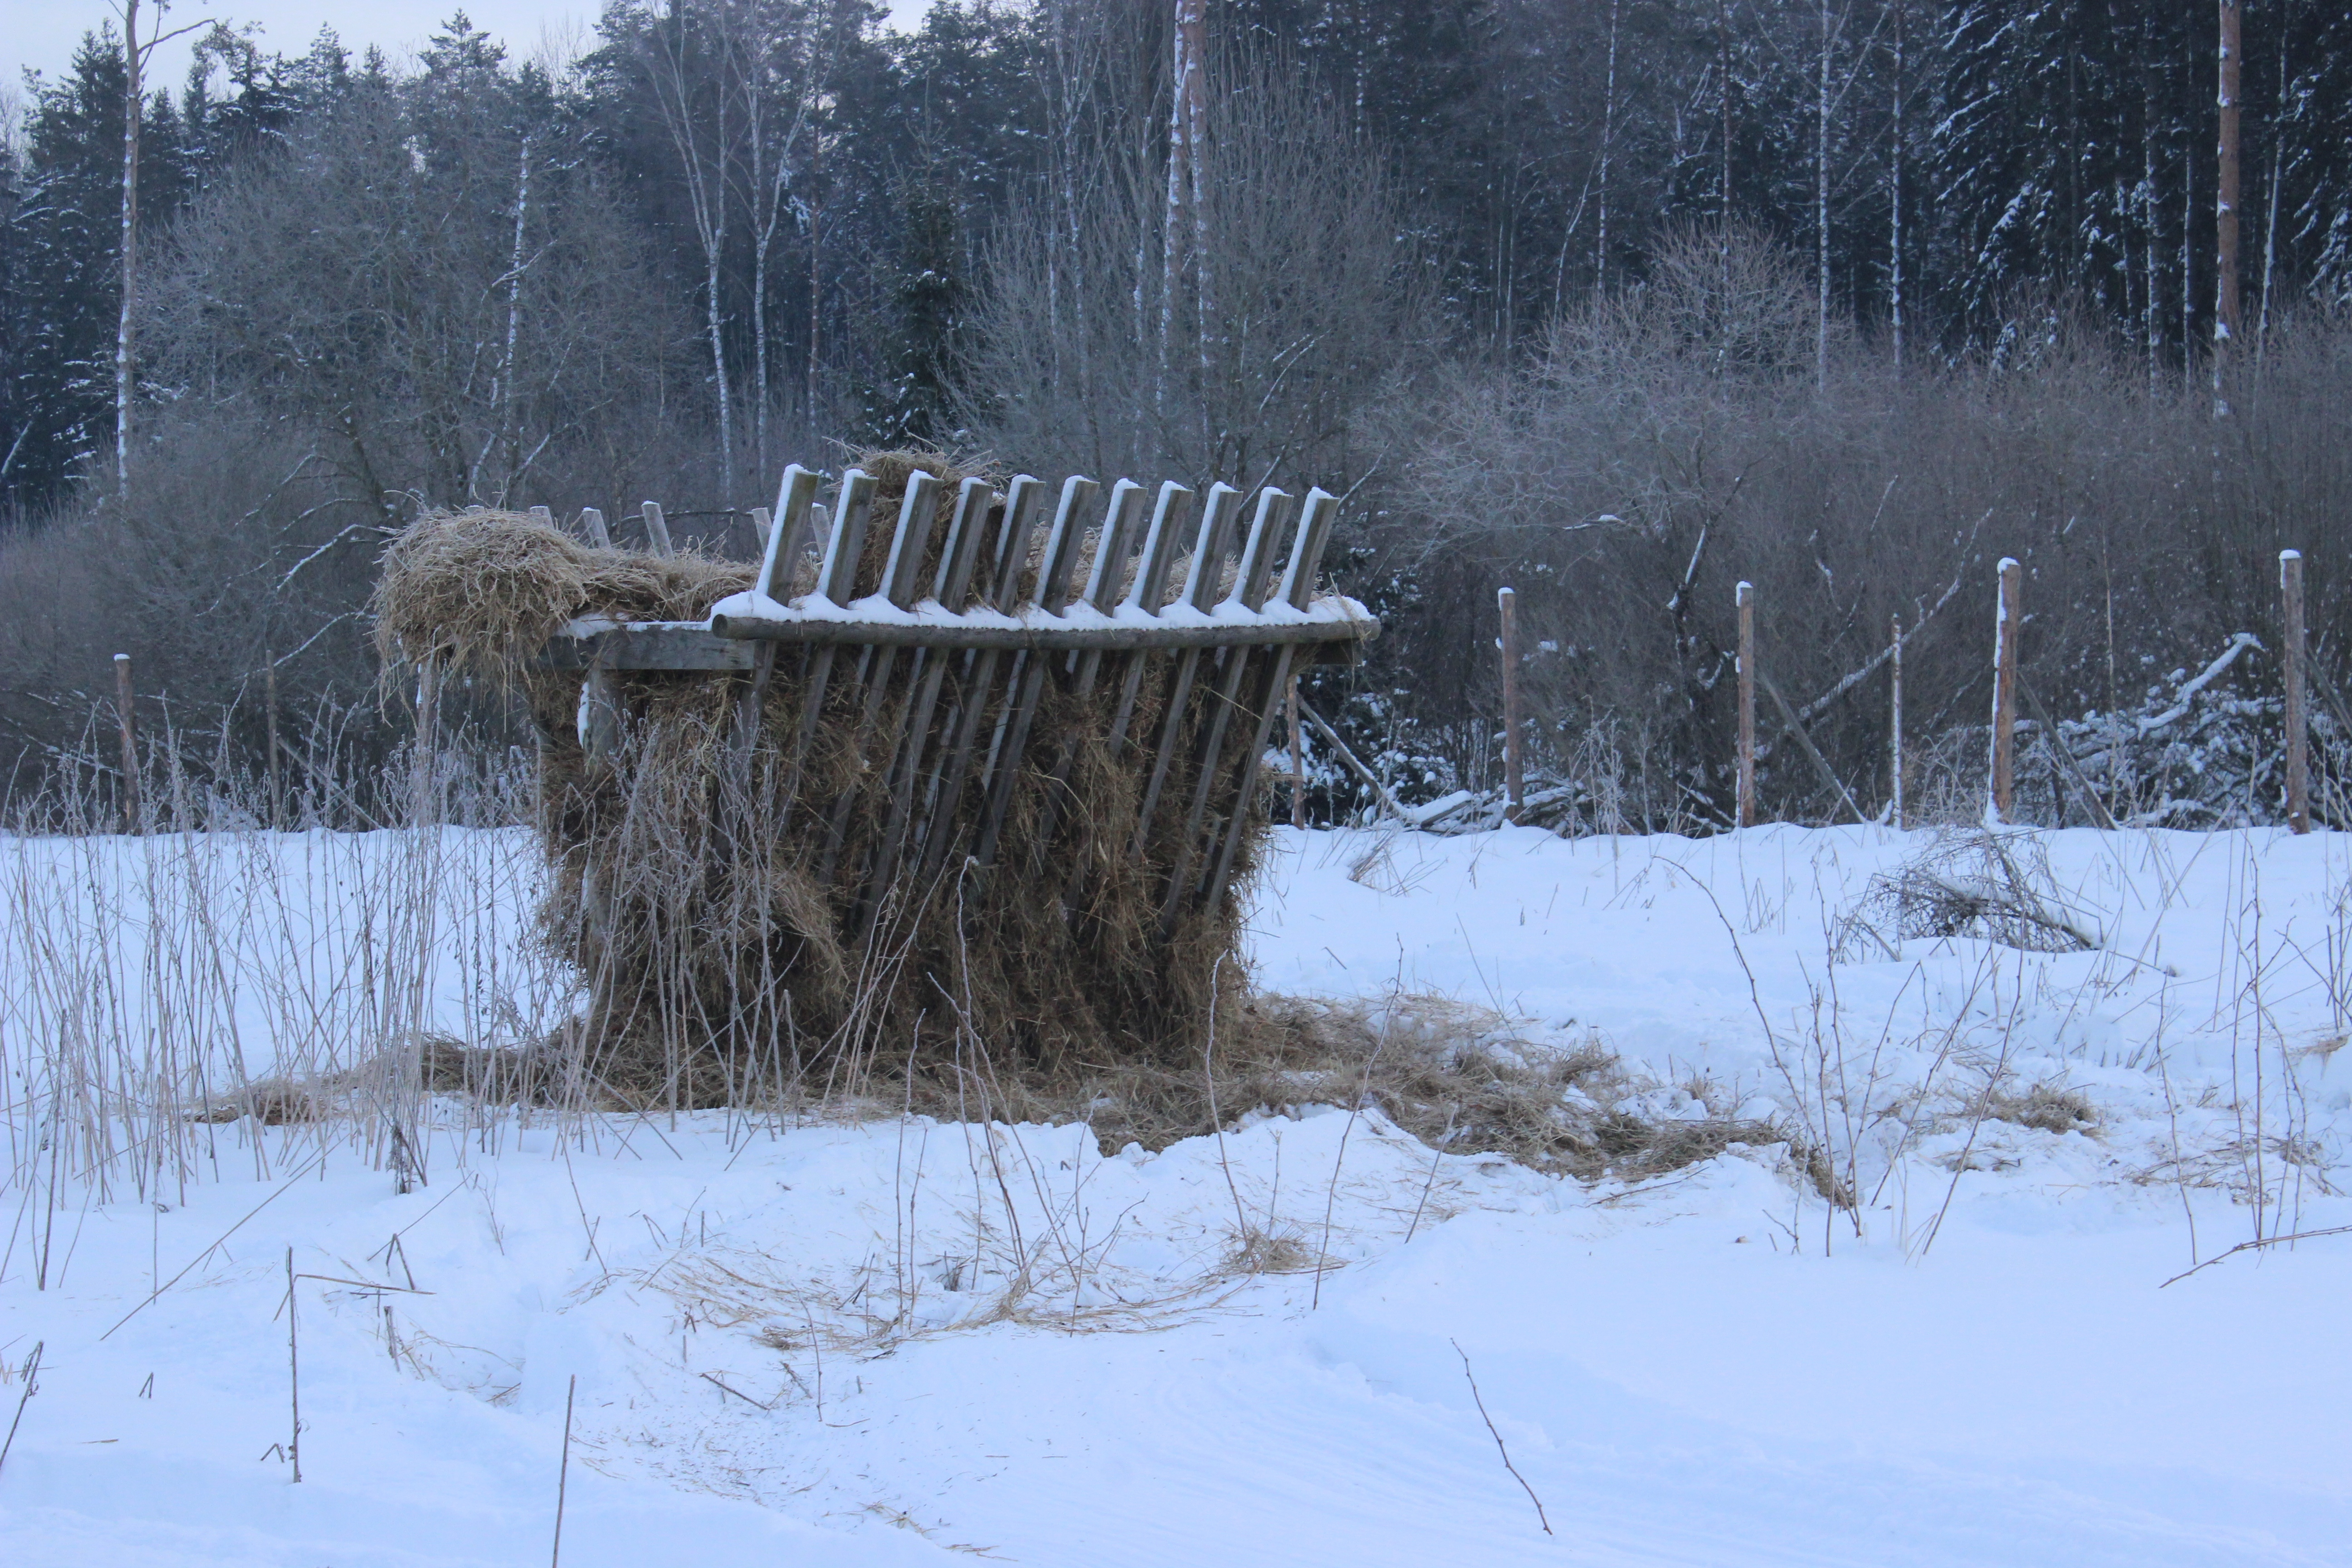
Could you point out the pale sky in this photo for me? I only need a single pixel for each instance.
(42, 34)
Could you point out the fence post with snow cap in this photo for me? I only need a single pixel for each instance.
(130, 742)
(2007, 619)
(1895, 722)
(1745, 597)
(1515, 783)
(2291, 657)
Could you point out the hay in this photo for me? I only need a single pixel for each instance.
(726, 961)
(1458, 1078)
(480, 591)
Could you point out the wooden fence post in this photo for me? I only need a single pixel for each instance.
(1745, 597)
(1895, 722)
(2298, 737)
(277, 767)
(1514, 781)
(131, 813)
(2008, 618)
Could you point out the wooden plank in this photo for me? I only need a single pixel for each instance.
(1209, 551)
(835, 580)
(657, 528)
(1250, 587)
(789, 537)
(659, 646)
(1298, 759)
(1805, 744)
(959, 633)
(782, 542)
(958, 559)
(1053, 573)
(1113, 545)
(918, 514)
(1316, 521)
(1169, 515)
(1022, 500)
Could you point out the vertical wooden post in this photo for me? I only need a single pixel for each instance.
(592, 522)
(277, 764)
(2008, 618)
(2298, 735)
(1515, 780)
(1895, 722)
(131, 813)
(657, 527)
(1297, 761)
(1745, 597)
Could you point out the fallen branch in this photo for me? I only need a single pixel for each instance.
(1805, 744)
(1348, 757)
(2257, 1246)
(1498, 1438)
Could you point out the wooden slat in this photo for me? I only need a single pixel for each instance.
(980, 684)
(781, 545)
(1053, 573)
(1112, 548)
(1315, 523)
(1209, 551)
(1168, 515)
(918, 514)
(1250, 586)
(657, 527)
(951, 585)
(789, 537)
(835, 580)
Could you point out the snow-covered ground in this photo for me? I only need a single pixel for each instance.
(882, 1342)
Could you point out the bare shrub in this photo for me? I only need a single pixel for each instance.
(1312, 306)
(1981, 885)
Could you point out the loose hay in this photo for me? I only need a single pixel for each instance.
(727, 961)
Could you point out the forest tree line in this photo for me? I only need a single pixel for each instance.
(1617, 300)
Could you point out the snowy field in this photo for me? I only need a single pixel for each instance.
(900, 1343)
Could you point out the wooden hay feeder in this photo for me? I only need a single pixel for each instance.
(1026, 720)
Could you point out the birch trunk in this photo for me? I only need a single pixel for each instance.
(131, 95)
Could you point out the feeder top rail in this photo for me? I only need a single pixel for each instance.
(1092, 584)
